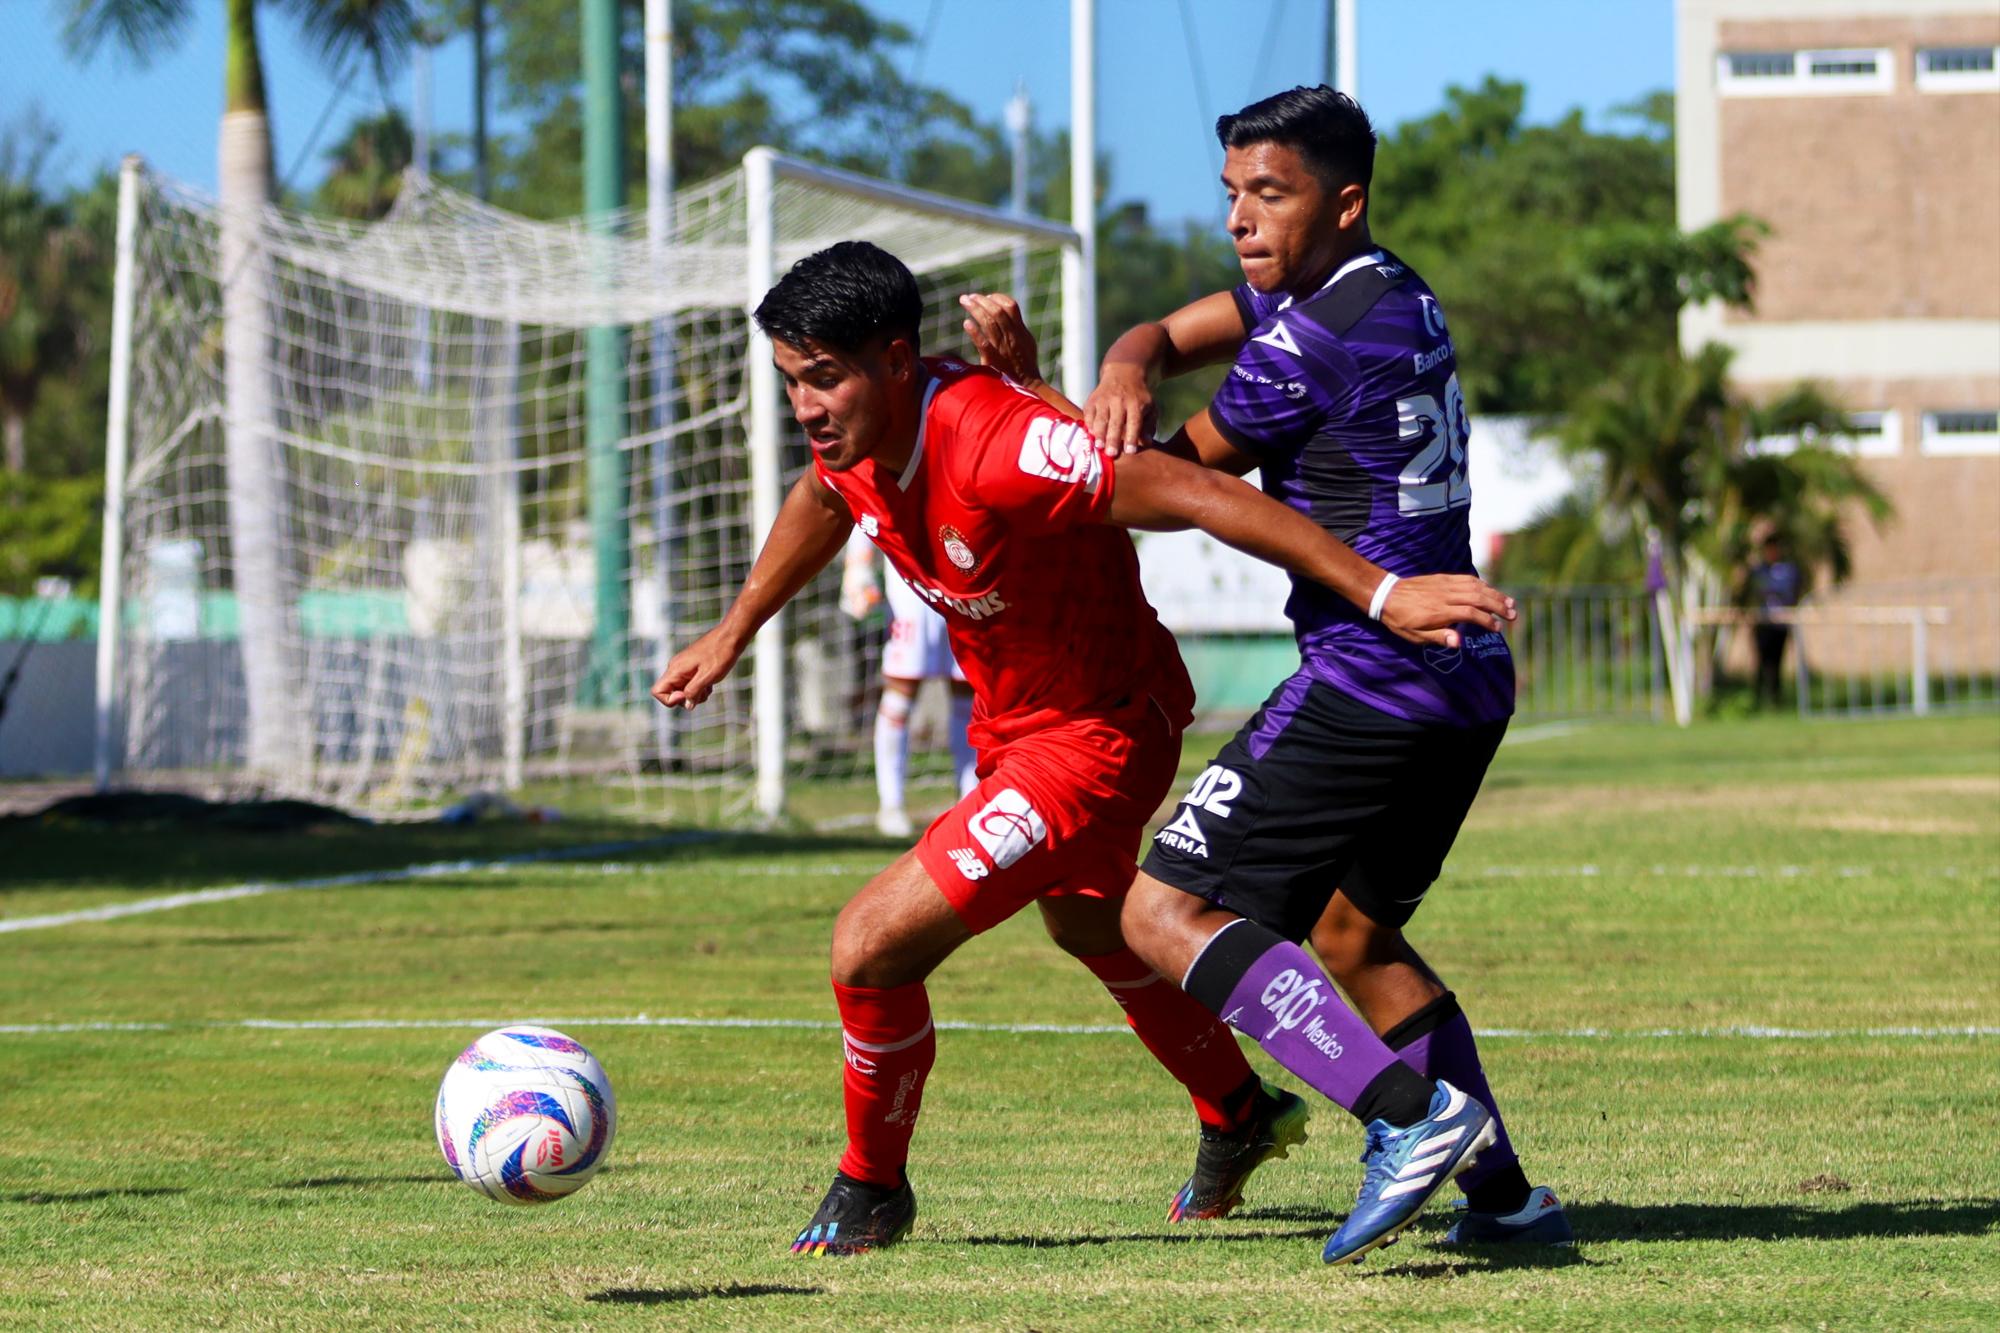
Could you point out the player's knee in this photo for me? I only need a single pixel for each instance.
(863, 953)
(1155, 918)
(1348, 942)
(1084, 927)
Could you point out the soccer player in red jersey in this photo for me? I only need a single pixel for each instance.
(1002, 512)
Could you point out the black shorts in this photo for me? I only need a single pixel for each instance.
(1320, 792)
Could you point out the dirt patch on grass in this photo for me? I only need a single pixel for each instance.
(1857, 822)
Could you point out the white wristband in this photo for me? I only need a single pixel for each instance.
(1381, 596)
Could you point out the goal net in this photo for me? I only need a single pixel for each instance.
(419, 508)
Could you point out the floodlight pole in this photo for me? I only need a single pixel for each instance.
(117, 450)
(1342, 54)
(605, 680)
(1079, 265)
(1020, 121)
(667, 536)
(767, 684)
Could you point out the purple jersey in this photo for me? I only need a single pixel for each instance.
(1349, 402)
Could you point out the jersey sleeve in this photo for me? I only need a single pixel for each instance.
(1039, 469)
(1289, 379)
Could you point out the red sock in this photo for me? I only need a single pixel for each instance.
(1181, 1034)
(889, 1044)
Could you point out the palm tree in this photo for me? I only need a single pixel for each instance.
(338, 30)
(368, 168)
(1676, 451)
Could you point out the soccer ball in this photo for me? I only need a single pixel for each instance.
(525, 1115)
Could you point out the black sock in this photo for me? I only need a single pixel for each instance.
(1505, 1191)
(1399, 1095)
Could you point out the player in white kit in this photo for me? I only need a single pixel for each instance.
(917, 651)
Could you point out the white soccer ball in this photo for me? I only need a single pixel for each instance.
(525, 1115)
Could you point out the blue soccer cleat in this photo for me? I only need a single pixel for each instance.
(1540, 1221)
(1406, 1167)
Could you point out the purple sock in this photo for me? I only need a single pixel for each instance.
(1273, 992)
(1447, 1051)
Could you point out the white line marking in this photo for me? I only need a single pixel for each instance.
(1744, 1033)
(430, 870)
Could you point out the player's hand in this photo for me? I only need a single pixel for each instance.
(1001, 336)
(697, 669)
(1120, 412)
(1429, 607)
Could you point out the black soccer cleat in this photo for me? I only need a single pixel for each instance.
(1225, 1160)
(856, 1217)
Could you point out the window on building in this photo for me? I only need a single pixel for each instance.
(1953, 69)
(1962, 431)
(1870, 435)
(1805, 73)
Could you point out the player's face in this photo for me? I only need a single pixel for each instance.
(846, 402)
(1286, 225)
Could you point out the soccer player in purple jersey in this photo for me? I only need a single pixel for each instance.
(1329, 815)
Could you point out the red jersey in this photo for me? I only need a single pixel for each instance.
(997, 522)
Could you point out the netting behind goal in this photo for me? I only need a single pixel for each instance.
(378, 563)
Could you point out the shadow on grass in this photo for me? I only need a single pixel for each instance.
(1606, 1221)
(680, 1295)
(92, 1196)
(57, 855)
(1783, 1221)
(352, 1182)
(1139, 1238)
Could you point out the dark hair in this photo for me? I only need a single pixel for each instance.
(1328, 129)
(845, 296)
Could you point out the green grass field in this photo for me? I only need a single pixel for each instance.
(1631, 911)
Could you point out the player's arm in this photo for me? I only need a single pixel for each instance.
(812, 526)
(1004, 342)
(1121, 411)
(1158, 492)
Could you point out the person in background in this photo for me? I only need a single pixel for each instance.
(1774, 587)
(918, 650)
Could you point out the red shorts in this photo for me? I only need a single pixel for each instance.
(1062, 811)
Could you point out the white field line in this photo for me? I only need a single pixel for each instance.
(1744, 1033)
(429, 870)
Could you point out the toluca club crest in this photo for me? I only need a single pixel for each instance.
(956, 550)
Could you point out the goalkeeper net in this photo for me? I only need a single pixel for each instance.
(463, 481)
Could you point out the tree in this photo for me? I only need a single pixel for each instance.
(1553, 247)
(367, 168)
(44, 255)
(338, 30)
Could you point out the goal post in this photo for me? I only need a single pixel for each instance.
(429, 408)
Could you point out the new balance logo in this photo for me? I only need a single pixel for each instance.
(1277, 336)
(968, 862)
(1184, 835)
(870, 526)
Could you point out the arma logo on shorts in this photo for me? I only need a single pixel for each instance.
(956, 550)
(1061, 451)
(968, 862)
(1008, 828)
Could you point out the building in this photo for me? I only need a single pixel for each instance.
(1867, 134)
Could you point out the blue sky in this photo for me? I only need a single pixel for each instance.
(1594, 54)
